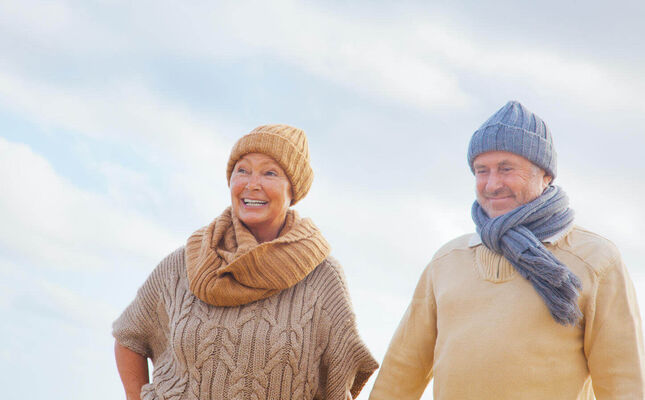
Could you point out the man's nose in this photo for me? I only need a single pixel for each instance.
(493, 183)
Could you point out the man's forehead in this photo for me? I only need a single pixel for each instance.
(500, 157)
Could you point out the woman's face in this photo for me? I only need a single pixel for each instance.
(260, 195)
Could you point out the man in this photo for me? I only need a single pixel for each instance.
(530, 307)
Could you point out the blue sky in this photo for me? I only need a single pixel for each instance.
(116, 119)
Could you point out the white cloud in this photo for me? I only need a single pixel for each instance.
(410, 60)
(60, 26)
(360, 55)
(123, 111)
(52, 222)
(608, 206)
(165, 133)
(603, 87)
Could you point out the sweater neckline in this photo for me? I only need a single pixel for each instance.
(492, 266)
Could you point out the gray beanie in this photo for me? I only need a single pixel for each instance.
(515, 129)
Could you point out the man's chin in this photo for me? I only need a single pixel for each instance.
(497, 211)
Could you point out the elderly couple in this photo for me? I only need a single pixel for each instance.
(254, 307)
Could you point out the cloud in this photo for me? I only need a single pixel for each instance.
(583, 81)
(417, 62)
(361, 56)
(179, 143)
(51, 222)
(28, 295)
(50, 327)
(358, 54)
(124, 111)
(607, 206)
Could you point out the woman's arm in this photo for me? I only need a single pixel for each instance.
(133, 369)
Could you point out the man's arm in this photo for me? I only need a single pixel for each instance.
(407, 366)
(614, 338)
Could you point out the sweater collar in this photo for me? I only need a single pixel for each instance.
(476, 240)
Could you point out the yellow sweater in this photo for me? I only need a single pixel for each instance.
(482, 332)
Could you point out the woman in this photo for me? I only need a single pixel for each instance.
(252, 307)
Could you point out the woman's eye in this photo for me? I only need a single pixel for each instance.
(271, 173)
(241, 170)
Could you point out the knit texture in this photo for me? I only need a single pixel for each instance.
(301, 343)
(227, 267)
(287, 146)
(515, 129)
(518, 235)
(477, 328)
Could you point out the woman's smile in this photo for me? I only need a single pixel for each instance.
(254, 203)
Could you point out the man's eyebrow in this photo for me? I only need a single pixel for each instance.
(503, 163)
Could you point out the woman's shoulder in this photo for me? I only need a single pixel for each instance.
(171, 268)
(328, 270)
(328, 279)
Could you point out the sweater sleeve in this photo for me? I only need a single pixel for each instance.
(142, 325)
(346, 362)
(613, 336)
(407, 366)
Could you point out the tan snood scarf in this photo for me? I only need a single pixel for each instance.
(227, 267)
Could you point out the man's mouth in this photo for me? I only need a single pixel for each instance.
(497, 196)
(254, 203)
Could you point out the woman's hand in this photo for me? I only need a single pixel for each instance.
(133, 369)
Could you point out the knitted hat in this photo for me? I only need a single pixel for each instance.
(515, 129)
(287, 146)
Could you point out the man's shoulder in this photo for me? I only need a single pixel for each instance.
(457, 244)
(592, 248)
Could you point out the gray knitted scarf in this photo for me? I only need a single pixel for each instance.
(517, 235)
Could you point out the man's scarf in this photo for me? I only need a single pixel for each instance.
(517, 235)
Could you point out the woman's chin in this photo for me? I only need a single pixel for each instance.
(254, 222)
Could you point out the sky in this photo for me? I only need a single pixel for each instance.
(117, 118)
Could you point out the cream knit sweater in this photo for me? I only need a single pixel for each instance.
(482, 332)
(301, 343)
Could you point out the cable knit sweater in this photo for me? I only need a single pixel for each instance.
(482, 332)
(300, 343)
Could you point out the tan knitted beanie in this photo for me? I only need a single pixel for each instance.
(287, 146)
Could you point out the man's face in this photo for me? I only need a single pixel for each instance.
(505, 181)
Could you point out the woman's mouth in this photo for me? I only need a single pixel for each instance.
(254, 203)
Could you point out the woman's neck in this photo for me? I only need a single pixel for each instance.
(267, 233)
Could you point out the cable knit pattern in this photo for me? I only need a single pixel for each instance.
(301, 343)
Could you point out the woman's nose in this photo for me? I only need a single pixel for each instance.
(253, 182)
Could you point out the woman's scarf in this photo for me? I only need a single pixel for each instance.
(517, 235)
(227, 267)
